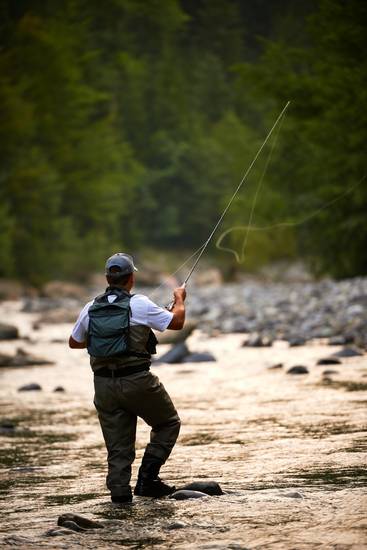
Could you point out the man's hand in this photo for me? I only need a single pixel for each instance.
(179, 294)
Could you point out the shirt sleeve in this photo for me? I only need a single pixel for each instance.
(79, 332)
(146, 312)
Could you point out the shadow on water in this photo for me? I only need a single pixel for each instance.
(348, 385)
(333, 477)
(62, 500)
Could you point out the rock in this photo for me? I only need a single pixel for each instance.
(185, 495)
(298, 369)
(176, 525)
(22, 359)
(327, 372)
(338, 340)
(30, 387)
(276, 366)
(73, 526)
(209, 277)
(81, 521)
(329, 361)
(177, 336)
(10, 290)
(176, 354)
(296, 341)
(63, 289)
(209, 487)
(256, 340)
(7, 427)
(59, 389)
(8, 332)
(294, 494)
(348, 352)
(202, 357)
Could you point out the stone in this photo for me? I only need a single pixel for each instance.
(294, 494)
(62, 289)
(8, 332)
(176, 354)
(73, 526)
(296, 341)
(256, 340)
(208, 277)
(58, 316)
(22, 359)
(209, 487)
(59, 389)
(298, 369)
(338, 340)
(81, 521)
(30, 387)
(329, 361)
(328, 372)
(348, 352)
(185, 494)
(202, 357)
(177, 336)
(55, 532)
(7, 427)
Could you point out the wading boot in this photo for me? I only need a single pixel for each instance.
(122, 499)
(148, 483)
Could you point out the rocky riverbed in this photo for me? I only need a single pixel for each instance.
(287, 449)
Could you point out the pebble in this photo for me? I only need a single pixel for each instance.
(298, 369)
(183, 494)
(30, 387)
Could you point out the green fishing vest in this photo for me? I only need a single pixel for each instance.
(111, 341)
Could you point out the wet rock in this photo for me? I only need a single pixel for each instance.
(294, 494)
(81, 521)
(73, 526)
(296, 341)
(185, 494)
(7, 427)
(19, 540)
(58, 316)
(176, 354)
(22, 359)
(177, 336)
(205, 356)
(30, 387)
(8, 332)
(276, 366)
(298, 369)
(176, 525)
(338, 340)
(59, 389)
(329, 361)
(348, 352)
(328, 372)
(209, 487)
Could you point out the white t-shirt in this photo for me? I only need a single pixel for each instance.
(143, 312)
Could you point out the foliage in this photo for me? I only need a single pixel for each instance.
(129, 123)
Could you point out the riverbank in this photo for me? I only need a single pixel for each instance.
(288, 450)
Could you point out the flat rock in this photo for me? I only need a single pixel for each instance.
(329, 361)
(59, 389)
(348, 352)
(81, 521)
(7, 427)
(176, 525)
(338, 340)
(298, 369)
(176, 354)
(276, 366)
(327, 372)
(183, 494)
(8, 332)
(209, 487)
(30, 387)
(297, 341)
(58, 532)
(197, 357)
(294, 494)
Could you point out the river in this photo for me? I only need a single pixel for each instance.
(288, 450)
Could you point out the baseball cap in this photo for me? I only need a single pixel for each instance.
(124, 262)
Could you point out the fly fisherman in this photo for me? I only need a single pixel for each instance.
(116, 328)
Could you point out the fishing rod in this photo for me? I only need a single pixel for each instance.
(203, 248)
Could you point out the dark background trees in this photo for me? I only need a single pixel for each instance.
(127, 124)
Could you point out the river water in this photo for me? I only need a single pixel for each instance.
(289, 451)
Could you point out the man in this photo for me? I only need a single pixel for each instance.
(116, 329)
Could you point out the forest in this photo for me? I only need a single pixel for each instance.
(127, 125)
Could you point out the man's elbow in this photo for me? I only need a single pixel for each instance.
(73, 344)
(176, 324)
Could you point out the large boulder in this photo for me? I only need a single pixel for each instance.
(176, 354)
(63, 289)
(8, 332)
(177, 336)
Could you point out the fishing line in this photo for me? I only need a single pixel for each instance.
(200, 251)
(240, 257)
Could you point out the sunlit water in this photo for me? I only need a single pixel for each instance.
(288, 450)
